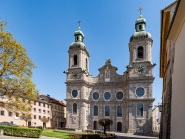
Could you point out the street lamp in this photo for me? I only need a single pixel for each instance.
(161, 105)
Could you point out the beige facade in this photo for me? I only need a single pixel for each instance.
(43, 106)
(156, 119)
(126, 99)
(172, 70)
(58, 114)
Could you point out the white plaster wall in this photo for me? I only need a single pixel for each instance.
(178, 89)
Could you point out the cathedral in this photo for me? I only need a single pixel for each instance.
(126, 99)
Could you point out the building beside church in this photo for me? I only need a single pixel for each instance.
(156, 119)
(126, 99)
(42, 106)
(172, 70)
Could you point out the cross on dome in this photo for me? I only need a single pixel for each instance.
(140, 9)
(79, 24)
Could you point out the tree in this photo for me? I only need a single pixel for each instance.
(26, 117)
(15, 73)
(105, 122)
(44, 121)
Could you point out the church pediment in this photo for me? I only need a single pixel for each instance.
(108, 73)
(108, 64)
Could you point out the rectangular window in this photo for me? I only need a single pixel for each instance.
(43, 105)
(35, 102)
(17, 114)
(48, 105)
(39, 110)
(48, 118)
(34, 116)
(39, 117)
(2, 113)
(107, 111)
(48, 112)
(39, 104)
(9, 113)
(44, 111)
(34, 109)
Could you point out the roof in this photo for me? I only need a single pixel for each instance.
(177, 21)
(80, 45)
(53, 100)
(165, 24)
(78, 32)
(140, 35)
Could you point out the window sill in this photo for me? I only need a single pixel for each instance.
(140, 117)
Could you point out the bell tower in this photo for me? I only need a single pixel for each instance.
(140, 45)
(78, 53)
(77, 72)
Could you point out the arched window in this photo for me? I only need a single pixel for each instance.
(107, 110)
(75, 59)
(74, 108)
(95, 110)
(140, 27)
(140, 52)
(86, 64)
(76, 38)
(119, 111)
(139, 109)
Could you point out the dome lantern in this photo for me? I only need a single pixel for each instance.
(140, 26)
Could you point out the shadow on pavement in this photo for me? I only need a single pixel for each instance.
(126, 137)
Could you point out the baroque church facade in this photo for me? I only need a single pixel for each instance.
(126, 99)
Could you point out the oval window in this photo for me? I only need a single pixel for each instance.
(107, 95)
(95, 96)
(74, 93)
(140, 92)
(119, 95)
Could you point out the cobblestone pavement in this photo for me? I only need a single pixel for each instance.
(131, 136)
(120, 136)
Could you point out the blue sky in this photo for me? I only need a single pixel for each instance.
(46, 29)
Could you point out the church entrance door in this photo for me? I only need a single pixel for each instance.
(119, 126)
(95, 125)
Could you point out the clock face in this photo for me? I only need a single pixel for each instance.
(140, 69)
(75, 75)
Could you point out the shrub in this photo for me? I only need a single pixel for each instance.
(21, 132)
(85, 136)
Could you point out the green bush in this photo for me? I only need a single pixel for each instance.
(21, 132)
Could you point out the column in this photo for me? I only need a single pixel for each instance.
(83, 116)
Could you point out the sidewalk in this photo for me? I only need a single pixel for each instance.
(120, 136)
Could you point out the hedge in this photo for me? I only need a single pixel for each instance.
(21, 132)
(85, 136)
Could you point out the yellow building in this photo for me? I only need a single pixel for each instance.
(172, 70)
